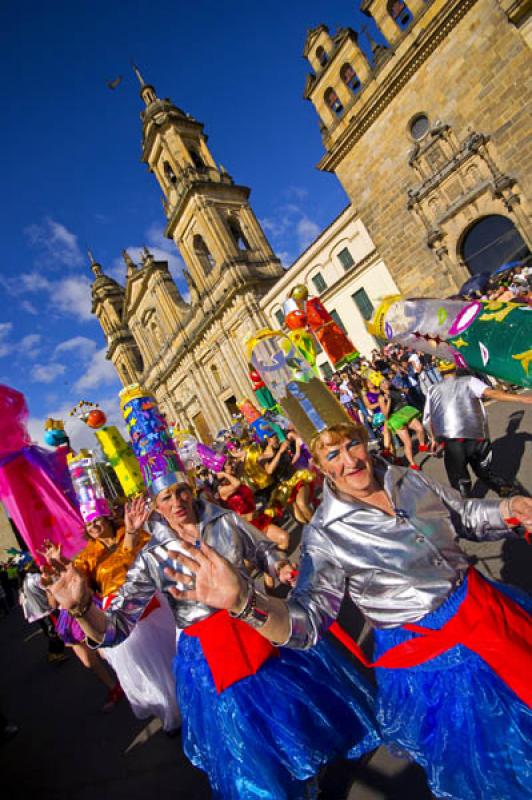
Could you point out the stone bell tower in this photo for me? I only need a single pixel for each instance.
(108, 301)
(189, 354)
(208, 216)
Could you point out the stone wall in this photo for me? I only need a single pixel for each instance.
(477, 79)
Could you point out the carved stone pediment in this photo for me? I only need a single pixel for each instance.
(452, 176)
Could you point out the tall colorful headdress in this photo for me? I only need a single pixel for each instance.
(151, 440)
(88, 486)
(115, 449)
(305, 400)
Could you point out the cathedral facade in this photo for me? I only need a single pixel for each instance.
(189, 353)
(430, 134)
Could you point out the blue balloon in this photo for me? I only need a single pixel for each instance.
(55, 437)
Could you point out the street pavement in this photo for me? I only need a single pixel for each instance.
(68, 749)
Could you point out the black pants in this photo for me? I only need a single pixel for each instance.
(459, 453)
(55, 643)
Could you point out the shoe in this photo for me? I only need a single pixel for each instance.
(114, 696)
(386, 454)
(415, 467)
(423, 448)
(173, 732)
(57, 658)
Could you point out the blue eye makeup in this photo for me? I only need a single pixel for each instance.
(332, 454)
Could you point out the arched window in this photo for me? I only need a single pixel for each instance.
(236, 232)
(333, 101)
(322, 56)
(197, 159)
(155, 333)
(203, 253)
(169, 173)
(215, 372)
(350, 78)
(400, 13)
(490, 243)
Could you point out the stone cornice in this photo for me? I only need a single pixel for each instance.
(159, 373)
(427, 41)
(152, 129)
(198, 187)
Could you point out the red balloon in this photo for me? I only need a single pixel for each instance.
(96, 418)
(296, 319)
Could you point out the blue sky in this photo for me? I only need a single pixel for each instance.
(73, 178)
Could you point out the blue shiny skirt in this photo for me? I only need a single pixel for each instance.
(456, 717)
(267, 734)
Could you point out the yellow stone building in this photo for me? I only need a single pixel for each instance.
(431, 138)
(189, 354)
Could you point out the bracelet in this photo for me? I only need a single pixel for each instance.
(255, 616)
(245, 608)
(81, 610)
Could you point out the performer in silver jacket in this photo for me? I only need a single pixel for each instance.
(452, 650)
(261, 722)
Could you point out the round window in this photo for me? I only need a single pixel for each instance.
(419, 126)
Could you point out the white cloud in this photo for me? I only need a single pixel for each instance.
(29, 345)
(99, 371)
(290, 227)
(81, 345)
(306, 231)
(5, 330)
(72, 297)
(299, 192)
(29, 308)
(46, 373)
(56, 244)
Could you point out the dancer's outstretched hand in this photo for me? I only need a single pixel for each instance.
(50, 551)
(136, 514)
(217, 583)
(520, 508)
(69, 587)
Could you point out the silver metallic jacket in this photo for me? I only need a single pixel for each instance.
(225, 531)
(395, 569)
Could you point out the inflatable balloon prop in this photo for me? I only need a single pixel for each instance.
(296, 320)
(262, 393)
(89, 413)
(152, 444)
(54, 433)
(305, 400)
(258, 423)
(339, 348)
(34, 484)
(491, 336)
(122, 459)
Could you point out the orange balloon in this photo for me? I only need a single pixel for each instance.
(96, 418)
(295, 320)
